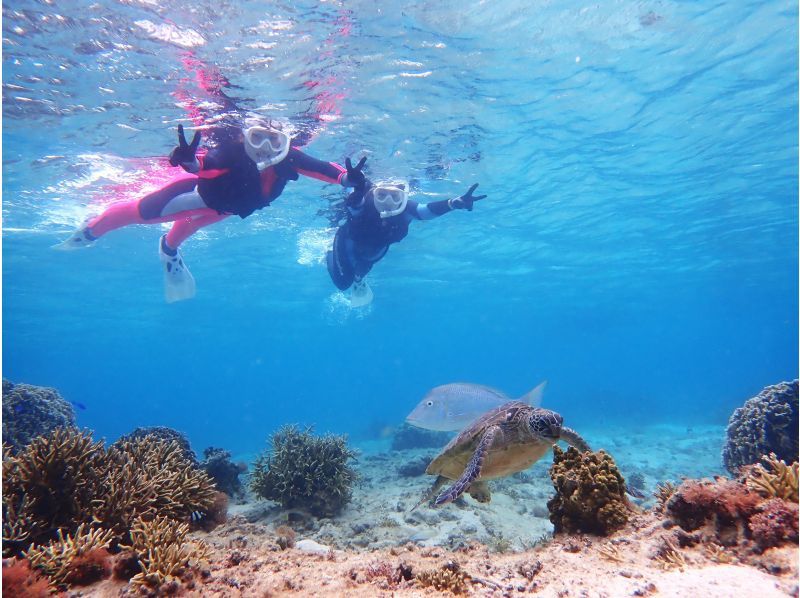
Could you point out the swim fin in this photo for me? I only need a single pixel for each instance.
(360, 294)
(178, 281)
(80, 239)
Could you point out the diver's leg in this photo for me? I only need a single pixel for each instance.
(339, 262)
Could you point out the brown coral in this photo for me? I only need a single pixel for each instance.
(590, 493)
(775, 523)
(450, 577)
(162, 550)
(66, 561)
(779, 480)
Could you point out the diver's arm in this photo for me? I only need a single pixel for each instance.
(434, 209)
(329, 172)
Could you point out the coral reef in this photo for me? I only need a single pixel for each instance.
(162, 550)
(733, 514)
(779, 481)
(165, 434)
(31, 411)
(590, 493)
(64, 479)
(50, 485)
(775, 523)
(766, 423)
(306, 472)
(225, 473)
(448, 578)
(74, 559)
(19, 580)
(410, 437)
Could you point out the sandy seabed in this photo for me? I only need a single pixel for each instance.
(378, 546)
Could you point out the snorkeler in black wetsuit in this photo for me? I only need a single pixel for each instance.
(378, 215)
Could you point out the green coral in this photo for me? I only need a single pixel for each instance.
(590, 493)
(303, 471)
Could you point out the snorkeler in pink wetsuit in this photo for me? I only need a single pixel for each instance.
(246, 171)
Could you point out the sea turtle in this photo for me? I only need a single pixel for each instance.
(506, 440)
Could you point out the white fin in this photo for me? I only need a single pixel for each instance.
(361, 294)
(534, 397)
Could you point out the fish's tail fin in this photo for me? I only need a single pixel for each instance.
(534, 397)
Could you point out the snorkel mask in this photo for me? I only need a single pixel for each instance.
(390, 198)
(265, 145)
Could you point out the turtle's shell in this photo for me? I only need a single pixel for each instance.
(516, 450)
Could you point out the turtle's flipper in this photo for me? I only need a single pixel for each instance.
(440, 480)
(473, 469)
(572, 438)
(480, 491)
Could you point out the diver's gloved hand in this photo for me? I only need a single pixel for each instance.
(184, 152)
(354, 177)
(464, 202)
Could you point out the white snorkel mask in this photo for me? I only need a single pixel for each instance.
(265, 145)
(390, 198)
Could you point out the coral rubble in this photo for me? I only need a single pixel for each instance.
(590, 493)
(765, 424)
(30, 411)
(306, 472)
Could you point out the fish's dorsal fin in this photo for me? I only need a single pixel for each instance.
(534, 397)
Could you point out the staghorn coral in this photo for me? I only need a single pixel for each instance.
(50, 485)
(164, 434)
(670, 557)
(775, 523)
(30, 411)
(663, 493)
(64, 561)
(448, 578)
(64, 479)
(162, 550)
(780, 481)
(765, 424)
(306, 472)
(590, 493)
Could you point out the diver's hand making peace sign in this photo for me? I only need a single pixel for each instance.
(464, 202)
(355, 178)
(184, 152)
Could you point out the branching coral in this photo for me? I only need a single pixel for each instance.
(779, 481)
(61, 560)
(50, 485)
(590, 493)
(670, 557)
(306, 472)
(163, 551)
(663, 493)
(450, 577)
(765, 424)
(64, 479)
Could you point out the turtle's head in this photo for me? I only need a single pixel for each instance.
(546, 423)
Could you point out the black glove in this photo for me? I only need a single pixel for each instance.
(355, 178)
(464, 202)
(184, 152)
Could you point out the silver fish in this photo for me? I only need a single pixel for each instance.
(454, 406)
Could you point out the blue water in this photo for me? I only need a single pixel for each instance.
(638, 248)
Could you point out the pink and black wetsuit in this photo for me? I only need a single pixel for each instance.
(227, 182)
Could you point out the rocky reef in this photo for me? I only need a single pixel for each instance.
(590, 493)
(307, 472)
(225, 473)
(30, 411)
(68, 503)
(766, 423)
